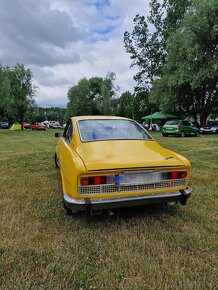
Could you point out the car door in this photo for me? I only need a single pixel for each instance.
(65, 147)
(65, 156)
(187, 127)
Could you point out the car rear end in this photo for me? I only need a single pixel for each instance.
(124, 188)
(114, 167)
(172, 127)
(209, 128)
(4, 125)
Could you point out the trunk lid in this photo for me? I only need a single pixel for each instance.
(117, 154)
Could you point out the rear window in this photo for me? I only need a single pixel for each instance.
(172, 122)
(100, 130)
(210, 124)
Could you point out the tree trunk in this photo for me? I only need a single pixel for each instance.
(203, 117)
(21, 121)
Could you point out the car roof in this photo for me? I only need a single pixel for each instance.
(78, 118)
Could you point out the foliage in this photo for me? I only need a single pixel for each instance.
(148, 50)
(126, 105)
(39, 114)
(135, 106)
(178, 61)
(16, 92)
(94, 96)
(16, 98)
(190, 74)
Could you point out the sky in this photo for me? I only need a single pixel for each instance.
(62, 41)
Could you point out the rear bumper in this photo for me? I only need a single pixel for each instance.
(136, 200)
(208, 132)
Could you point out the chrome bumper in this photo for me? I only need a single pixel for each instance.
(127, 201)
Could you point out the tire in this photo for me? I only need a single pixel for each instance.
(182, 134)
(56, 161)
(68, 211)
(164, 135)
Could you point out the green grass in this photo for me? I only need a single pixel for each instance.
(141, 248)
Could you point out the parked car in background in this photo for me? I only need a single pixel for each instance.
(179, 128)
(52, 124)
(39, 126)
(116, 163)
(210, 127)
(4, 125)
(57, 126)
(26, 125)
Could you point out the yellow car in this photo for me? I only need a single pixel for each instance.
(112, 162)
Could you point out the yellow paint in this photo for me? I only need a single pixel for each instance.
(85, 158)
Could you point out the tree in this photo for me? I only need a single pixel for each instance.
(16, 92)
(22, 91)
(126, 105)
(190, 74)
(148, 50)
(94, 96)
(40, 114)
(178, 61)
(4, 93)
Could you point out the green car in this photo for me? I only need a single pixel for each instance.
(179, 128)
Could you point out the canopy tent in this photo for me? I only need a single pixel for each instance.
(159, 116)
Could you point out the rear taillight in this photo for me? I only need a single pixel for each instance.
(127, 178)
(93, 180)
(179, 126)
(176, 174)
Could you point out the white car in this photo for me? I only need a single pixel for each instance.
(52, 124)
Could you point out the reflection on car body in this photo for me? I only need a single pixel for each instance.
(112, 162)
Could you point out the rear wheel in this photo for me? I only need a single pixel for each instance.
(68, 211)
(182, 134)
(164, 135)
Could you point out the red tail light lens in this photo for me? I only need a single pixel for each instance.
(176, 174)
(84, 181)
(93, 180)
(179, 127)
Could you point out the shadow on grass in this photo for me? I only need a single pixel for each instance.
(158, 212)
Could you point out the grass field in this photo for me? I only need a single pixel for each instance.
(141, 248)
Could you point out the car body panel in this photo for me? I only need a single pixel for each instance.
(113, 157)
(26, 125)
(38, 126)
(120, 154)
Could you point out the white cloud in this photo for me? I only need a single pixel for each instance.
(63, 41)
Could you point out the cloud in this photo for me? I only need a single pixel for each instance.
(62, 41)
(31, 32)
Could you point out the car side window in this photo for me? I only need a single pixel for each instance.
(68, 132)
(186, 123)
